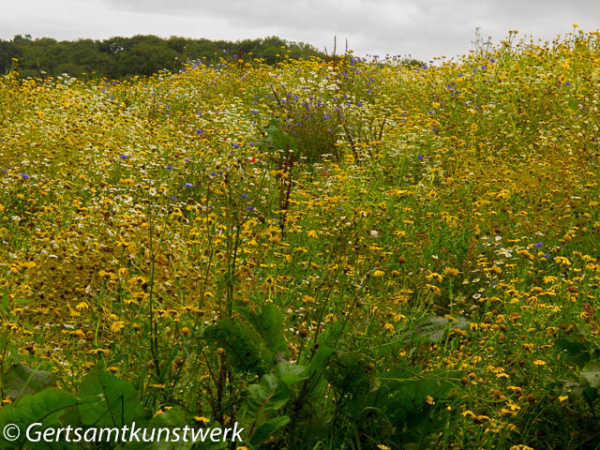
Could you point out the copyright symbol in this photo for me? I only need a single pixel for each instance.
(11, 432)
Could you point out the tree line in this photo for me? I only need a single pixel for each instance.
(120, 57)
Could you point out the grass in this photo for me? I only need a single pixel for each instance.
(372, 257)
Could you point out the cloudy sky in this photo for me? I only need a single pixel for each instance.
(422, 29)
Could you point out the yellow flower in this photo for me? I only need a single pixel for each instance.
(202, 419)
(539, 362)
(82, 306)
(436, 276)
(562, 398)
(117, 326)
(451, 271)
(434, 289)
(562, 261)
(389, 327)
(383, 447)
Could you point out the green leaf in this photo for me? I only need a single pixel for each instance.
(174, 417)
(46, 407)
(575, 352)
(20, 380)
(117, 406)
(245, 349)
(320, 360)
(269, 395)
(268, 429)
(291, 373)
(590, 395)
(269, 323)
(591, 373)
(276, 139)
(434, 329)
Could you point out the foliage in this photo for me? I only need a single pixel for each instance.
(120, 57)
(195, 248)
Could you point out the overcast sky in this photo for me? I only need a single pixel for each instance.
(420, 28)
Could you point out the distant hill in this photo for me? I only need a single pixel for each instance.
(120, 57)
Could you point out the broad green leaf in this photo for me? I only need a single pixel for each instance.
(245, 349)
(291, 373)
(435, 328)
(20, 380)
(276, 139)
(575, 352)
(118, 403)
(46, 407)
(269, 323)
(268, 429)
(591, 373)
(269, 395)
(320, 360)
(172, 418)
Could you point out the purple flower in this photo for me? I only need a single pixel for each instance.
(174, 198)
(236, 145)
(244, 195)
(420, 157)
(168, 167)
(199, 131)
(123, 156)
(212, 174)
(188, 185)
(250, 208)
(538, 245)
(25, 176)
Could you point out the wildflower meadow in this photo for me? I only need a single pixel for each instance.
(333, 253)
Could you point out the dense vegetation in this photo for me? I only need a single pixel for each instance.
(120, 57)
(342, 255)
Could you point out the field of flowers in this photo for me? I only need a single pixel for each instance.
(346, 254)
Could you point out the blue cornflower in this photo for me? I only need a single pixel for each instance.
(123, 156)
(188, 185)
(538, 245)
(421, 157)
(25, 176)
(168, 167)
